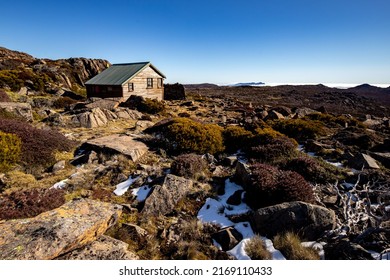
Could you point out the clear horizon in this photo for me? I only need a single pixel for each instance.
(301, 42)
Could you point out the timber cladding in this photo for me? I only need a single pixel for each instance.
(140, 83)
(124, 80)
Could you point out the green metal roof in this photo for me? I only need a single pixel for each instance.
(117, 74)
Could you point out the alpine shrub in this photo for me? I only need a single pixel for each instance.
(10, 148)
(299, 129)
(190, 166)
(236, 137)
(30, 202)
(274, 150)
(183, 135)
(270, 186)
(38, 146)
(313, 170)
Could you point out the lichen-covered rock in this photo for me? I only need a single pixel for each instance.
(56, 232)
(164, 198)
(22, 110)
(118, 143)
(104, 248)
(310, 220)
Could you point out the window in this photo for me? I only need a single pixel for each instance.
(159, 83)
(149, 83)
(109, 88)
(130, 87)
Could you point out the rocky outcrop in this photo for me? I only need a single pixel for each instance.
(96, 117)
(57, 232)
(310, 220)
(164, 198)
(104, 248)
(91, 119)
(118, 143)
(22, 110)
(68, 73)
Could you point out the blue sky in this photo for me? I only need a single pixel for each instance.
(300, 41)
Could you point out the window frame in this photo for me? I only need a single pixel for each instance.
(159, 82)
(149, 83)
(130, 87)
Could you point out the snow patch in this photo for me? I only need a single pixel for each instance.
(142, 192)
(216, 211)
(59, 185)
(124, 186)
(213, 212)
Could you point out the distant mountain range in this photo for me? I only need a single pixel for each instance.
(250, 84)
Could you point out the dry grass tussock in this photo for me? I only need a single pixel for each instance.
(290, 245)
(256, 250)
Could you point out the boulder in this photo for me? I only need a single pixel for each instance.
(94, 118)
(134, 233)
(55, 119)
(235, 198)
(58, 166)
(262, 115)
(310, 220)
(56, 232)
(174, 92)
(164, 198)
(243, 174)
(103, 104)
(301, 112)
(128, 114)
(19, 109)
(104, 248)
(227, 237)
(142, 125)
(383, 158)
(230, 160)
(363, 161)
(315, 146)
(273, 115)
(346, 250)
(118, 143)
(285, 111)
(88, 157)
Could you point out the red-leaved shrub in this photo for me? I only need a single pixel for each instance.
(38, 145)
(29, 203)
(270, 186)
